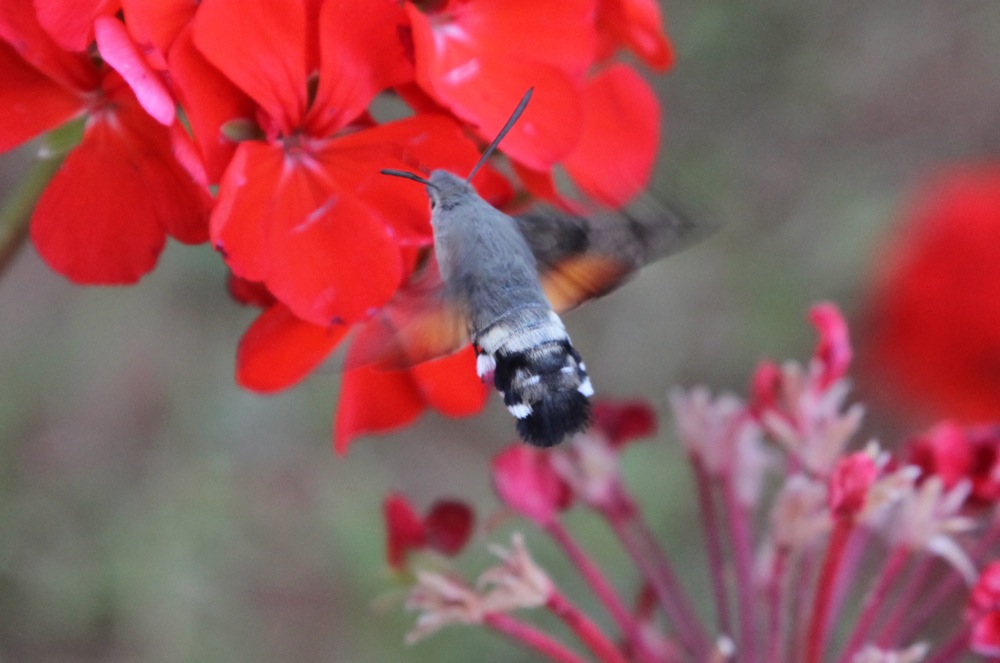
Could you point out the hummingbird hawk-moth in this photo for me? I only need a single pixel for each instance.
(501, 281)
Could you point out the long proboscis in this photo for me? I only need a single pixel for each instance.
(503, 132)
(407, 176)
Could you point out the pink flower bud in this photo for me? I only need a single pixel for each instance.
(404, 530)
(849, 483)
(525, 481)
(833, 351)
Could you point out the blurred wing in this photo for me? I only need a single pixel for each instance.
(582, 257)
(418, 324)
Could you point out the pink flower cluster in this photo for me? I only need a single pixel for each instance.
(819, 546)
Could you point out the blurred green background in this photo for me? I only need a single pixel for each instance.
(151, 510)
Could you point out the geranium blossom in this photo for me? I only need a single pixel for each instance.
(261, 128)
(933, 315)
(105, 215)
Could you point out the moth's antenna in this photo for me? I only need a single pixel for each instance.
(408, 176)
(503, 132)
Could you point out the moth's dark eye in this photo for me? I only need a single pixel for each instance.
(433, 203)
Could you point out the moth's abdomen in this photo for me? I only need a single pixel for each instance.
(540, 375)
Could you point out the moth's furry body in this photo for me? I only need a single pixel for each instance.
(490, 272)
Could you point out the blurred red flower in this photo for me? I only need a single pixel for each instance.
(445, 529)
(933, 318)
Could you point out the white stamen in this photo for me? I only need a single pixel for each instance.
(520, 410)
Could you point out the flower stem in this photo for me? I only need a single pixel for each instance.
(816, 639)
(875, 600)
(931, 602)
(595, 640)
(711, 527)
(602, 588)
(741, 540)
(776, 616)
(531, 637)
(15, 215)
(647, 555)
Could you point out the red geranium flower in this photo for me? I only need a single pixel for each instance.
(274, 101)
(105, 215)
(933, 334)
(446, 528)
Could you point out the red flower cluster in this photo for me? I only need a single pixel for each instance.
(269, 106)
(933, 319)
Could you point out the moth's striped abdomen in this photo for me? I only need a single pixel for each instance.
(540, 375)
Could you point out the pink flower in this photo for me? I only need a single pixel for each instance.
(524, 480)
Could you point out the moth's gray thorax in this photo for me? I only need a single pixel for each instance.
(486, 264)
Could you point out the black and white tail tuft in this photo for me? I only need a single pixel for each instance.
(546, 387)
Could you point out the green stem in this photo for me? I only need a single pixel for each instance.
(15, 213)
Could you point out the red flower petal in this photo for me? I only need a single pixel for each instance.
(158, 23)
(448, 526)
(423, 143)
(540, 184)
(636, 24)
(120, 52)
(262, 48)
(250, 293)
(404, 530)
(450, 384)
(523, 27)
(30, 102)
(373, 401)
(525, 481)
(71, 22)
(624, 421)
(280, 350)
(242, 214)
(620, 139)
(361, 54)
(479, 72)
(19, 27)
(104, 215)
(335, 261)
(210, 101)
